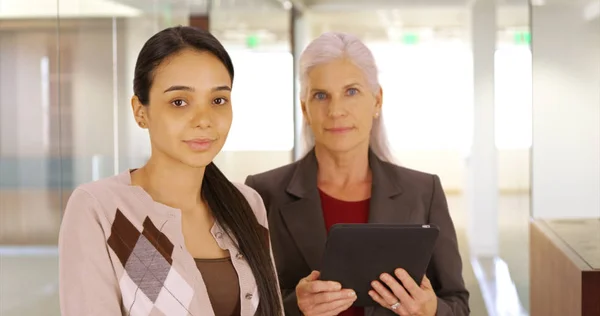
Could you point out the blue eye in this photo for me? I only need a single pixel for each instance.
(320, 96)
(352, 91)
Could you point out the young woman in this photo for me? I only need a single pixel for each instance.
(173, 237)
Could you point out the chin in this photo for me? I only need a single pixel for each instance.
(340, 146)
(198, 160)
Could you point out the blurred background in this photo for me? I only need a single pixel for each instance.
(501, 99)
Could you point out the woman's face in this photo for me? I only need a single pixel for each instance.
(340, 106)
(189, 113)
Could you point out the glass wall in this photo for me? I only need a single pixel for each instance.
(66, 72)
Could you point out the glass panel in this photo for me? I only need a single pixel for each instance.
(29, 144)
(66, 73)
(30, 186)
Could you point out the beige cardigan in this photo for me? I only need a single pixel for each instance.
(121, 253)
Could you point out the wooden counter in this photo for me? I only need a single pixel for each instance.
(565, 267)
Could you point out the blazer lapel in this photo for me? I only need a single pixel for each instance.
(304, 217)
(386, 195)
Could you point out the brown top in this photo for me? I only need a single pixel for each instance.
(222, 285)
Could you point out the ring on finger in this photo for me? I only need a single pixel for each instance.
(395, 306)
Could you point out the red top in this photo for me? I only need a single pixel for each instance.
(337, 211)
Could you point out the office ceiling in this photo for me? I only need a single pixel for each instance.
(374, 21)
(372, 18)
(201, 6)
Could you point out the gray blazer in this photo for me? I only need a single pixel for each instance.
(399, 195)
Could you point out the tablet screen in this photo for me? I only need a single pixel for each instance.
(357, 254)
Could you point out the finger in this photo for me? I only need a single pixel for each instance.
(409, 284)
(377, 298)
(307, 279)
(326, 297)
(388, 297)
(311, 284)
(398, 291)
(314, 275)
(331, 307)
(322, 286)
(426, 284)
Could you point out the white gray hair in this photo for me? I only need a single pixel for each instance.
(329, 47)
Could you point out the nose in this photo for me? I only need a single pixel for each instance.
(202, 117)
(336, 108)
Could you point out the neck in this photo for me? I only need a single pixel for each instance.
(171, 183)
(343, 168)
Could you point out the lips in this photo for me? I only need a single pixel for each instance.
(200, 144)
(338, 129)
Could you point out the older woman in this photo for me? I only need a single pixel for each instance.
(347, 177)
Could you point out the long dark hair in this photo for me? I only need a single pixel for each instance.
(227, 204)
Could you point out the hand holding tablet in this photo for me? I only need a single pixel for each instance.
(327, 298)
(356, 255)
(404, 297)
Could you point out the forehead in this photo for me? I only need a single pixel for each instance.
(191, 68)
(337, 73)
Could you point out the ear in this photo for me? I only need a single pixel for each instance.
(139, 112)
(378, 100)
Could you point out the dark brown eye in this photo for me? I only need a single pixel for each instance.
(219, 101)
(179, 103)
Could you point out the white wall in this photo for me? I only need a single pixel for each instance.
(566, 113)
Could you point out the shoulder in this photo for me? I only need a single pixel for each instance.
(92, 199)
(410, 179)
(100, 190)
(255, 201)
(272, 181)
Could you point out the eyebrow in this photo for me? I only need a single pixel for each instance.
(221, 88)
(350, 85)
(354, 84)
(191, 89)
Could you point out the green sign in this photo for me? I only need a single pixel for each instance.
(410, 38)
(522, 38)
(252, 41)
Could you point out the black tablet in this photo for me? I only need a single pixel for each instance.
(357, 254)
